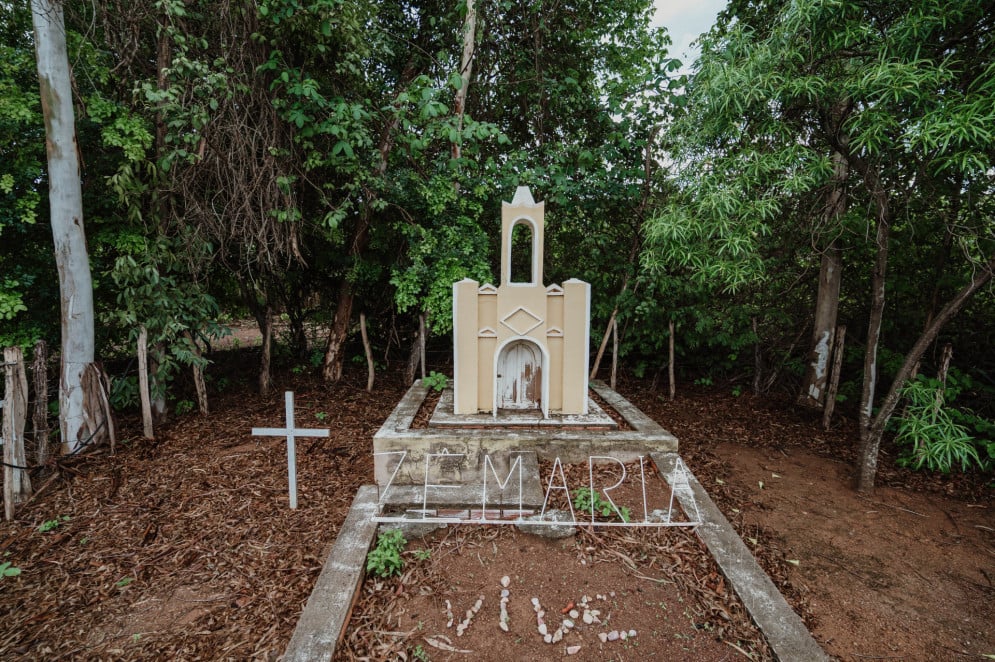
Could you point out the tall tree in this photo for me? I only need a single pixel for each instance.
(66, 207)
(917, 87)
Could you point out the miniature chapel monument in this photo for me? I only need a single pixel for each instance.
(521, 345)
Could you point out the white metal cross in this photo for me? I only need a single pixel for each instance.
(291, 434)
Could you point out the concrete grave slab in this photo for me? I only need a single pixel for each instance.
(396, 439)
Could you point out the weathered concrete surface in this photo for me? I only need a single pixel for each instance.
(326, 614)
(470, 495)
(471, 445)
(785, 632)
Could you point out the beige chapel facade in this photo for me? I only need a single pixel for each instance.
(521, 345)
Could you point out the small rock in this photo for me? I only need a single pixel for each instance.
(585, 599)
(557, 636)
(542, 613)
(506, 581)
(612, 594)
(505, 593)
(603, 636)
(548, 638)
(573, 613)
(469, 614)
(503, 626)
(623, 635)
(588, 617)
(535, 603)
(632, 633)
(567, 623)
(543, 630)
(573, 650)
(613, 635)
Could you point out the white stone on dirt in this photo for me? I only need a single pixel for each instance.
(535, 604)
(506, 581)
(503, 626)
(557, 636)
(505, 593)
(603, 636)
(548, 638)
(613, 635)
(543, 630)
(568, 623)
(632, 633)
(588, 617)
(573, 650)
(623, 635)
(574, 613)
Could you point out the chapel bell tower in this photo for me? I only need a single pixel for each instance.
(521, 345)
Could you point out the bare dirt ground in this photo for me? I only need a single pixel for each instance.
(184, 547)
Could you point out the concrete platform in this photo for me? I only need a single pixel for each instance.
(403, 449)
(326, 615)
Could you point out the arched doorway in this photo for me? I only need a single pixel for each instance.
(519, 376)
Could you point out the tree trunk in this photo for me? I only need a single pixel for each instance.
(414, 358)
(331, 370)
(757, 358)
(198, 376)
(813, 390)
(466, 68)
(66, 206)
(39, 417)
(869, 449)
(16, 482)
(834, 377)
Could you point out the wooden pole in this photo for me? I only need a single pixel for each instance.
(834, 377)
(143, 382)
(370, 374)
(670, 362)
(614, 351)
(265, 374)
(603, 345)
(757, 364)
(39, 418)
(16, 483)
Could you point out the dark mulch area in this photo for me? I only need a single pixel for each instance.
(184, 547)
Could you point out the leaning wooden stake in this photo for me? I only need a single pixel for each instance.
(834, 377)
(614, 351)
(603, 345)
(143, 382)
(16, 483)
(39, 419)
(370, 374)
(670, 362)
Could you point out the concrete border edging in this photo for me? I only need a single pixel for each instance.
(783, 628)
(323, 621)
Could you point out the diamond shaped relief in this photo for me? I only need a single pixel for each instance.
(521, 321)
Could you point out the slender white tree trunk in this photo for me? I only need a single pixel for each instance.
(66, 205)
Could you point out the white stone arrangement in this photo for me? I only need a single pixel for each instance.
(583, 611)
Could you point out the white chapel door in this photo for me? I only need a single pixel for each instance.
(519, 376)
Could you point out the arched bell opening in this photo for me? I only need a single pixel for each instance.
(521, 376)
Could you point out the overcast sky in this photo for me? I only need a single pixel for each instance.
(685, 20)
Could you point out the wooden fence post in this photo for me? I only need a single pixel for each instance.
(39, 418)
(16, 482)
(143, 382)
